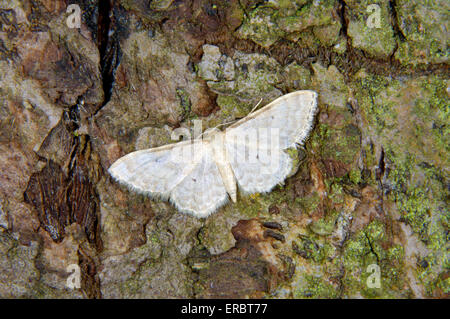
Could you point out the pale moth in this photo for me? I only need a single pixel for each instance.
(199, 176)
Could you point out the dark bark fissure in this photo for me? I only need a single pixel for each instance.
(394, 17)
(341, 12)
(90, 282)
(372, 250)
(381, 168)
(397, 32)
(107, 47)
(80, 190)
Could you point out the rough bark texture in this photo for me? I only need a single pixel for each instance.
(372, 185)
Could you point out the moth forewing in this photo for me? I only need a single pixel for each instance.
(269, 149)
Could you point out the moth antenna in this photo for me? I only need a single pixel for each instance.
(256, 106)
(226, 123)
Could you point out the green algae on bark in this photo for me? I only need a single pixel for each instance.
(374, 36)
(240, 81)
(260, 26)
(416, 156)
(424, 26)
(266, 24)
(370, 246)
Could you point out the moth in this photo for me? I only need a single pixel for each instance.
(201, 175)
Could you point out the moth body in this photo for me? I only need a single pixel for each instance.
(217, 144)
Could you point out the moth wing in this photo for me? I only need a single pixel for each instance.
(185, 173)
(255, 145)
(156, 171)
(292, 114)
(258, 169)
(201, 192)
